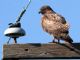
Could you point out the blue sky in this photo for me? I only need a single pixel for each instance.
(31, 21)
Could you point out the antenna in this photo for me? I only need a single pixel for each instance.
(22, 13)
(18, 24)
(14, 31)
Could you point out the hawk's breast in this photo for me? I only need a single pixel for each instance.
(53, 25)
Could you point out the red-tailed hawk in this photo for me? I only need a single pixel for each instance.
(55, 24)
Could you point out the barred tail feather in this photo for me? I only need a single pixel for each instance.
(69, 39)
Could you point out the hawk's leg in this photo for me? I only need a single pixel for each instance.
(58, 41)
(54, 40)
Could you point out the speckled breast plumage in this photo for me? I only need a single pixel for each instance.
(52, 23)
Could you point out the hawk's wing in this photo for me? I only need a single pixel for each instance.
(63, 21)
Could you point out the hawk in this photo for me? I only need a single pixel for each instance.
(55, 24)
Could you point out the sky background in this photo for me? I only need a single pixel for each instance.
(31, 21)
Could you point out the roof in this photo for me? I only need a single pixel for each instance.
(38, 50)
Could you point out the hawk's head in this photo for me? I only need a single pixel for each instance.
(45, 8)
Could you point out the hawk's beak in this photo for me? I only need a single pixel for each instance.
(39, 12)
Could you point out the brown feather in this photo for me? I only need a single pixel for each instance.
(55, 25)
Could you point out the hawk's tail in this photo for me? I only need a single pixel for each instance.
(69, 39)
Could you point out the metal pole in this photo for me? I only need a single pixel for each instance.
(15, 40)
(9, 40)
(21, 14)
(28, 4)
